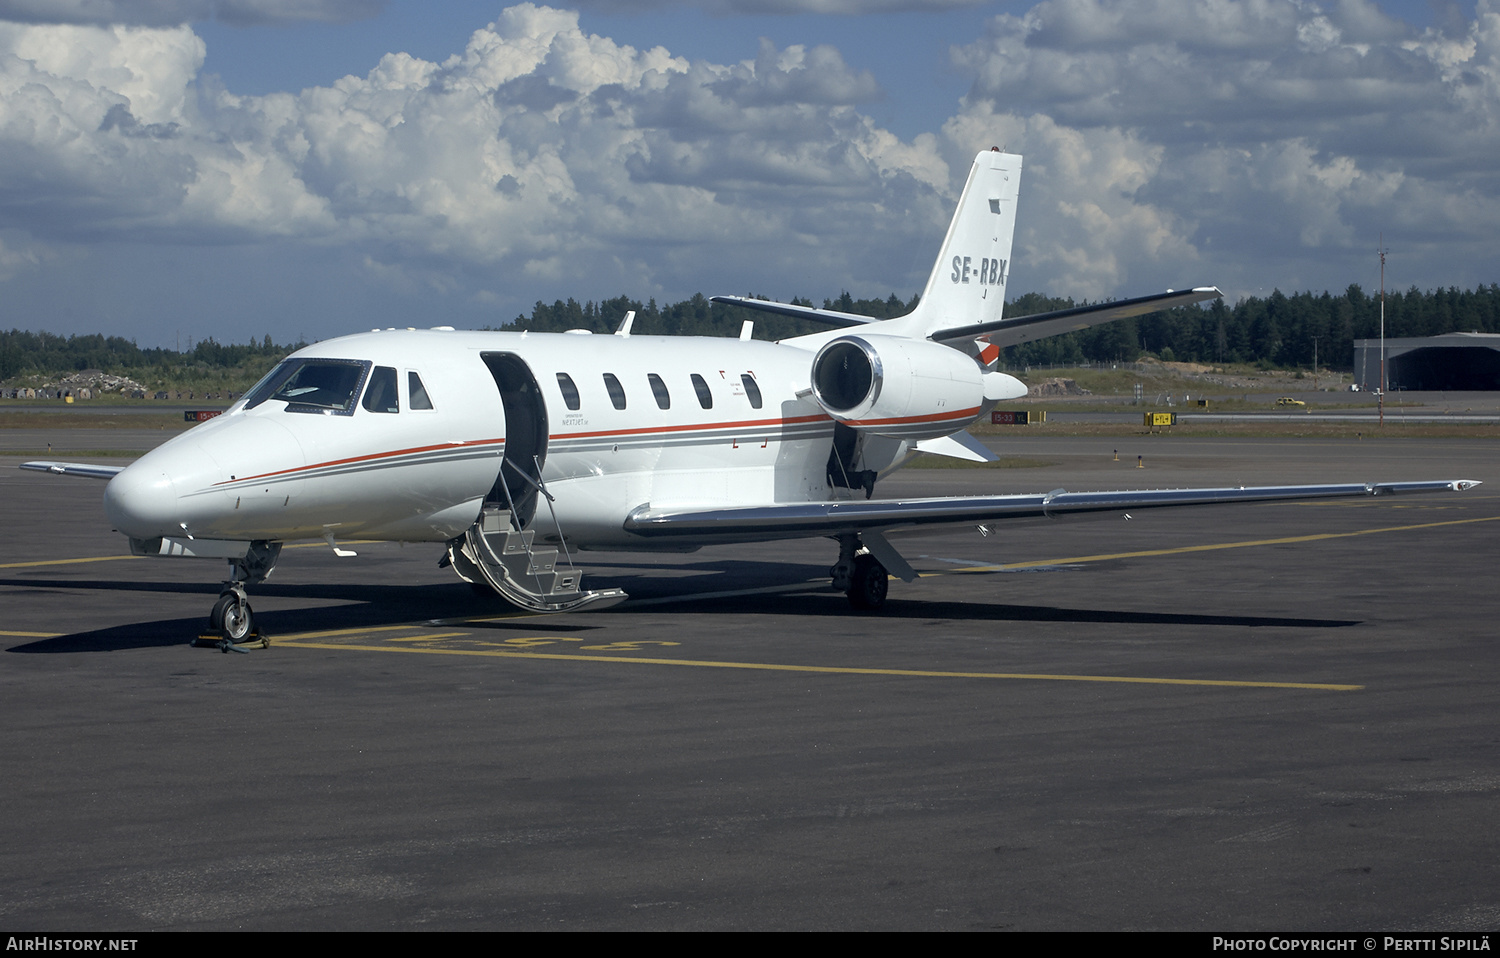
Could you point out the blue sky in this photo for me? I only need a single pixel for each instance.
(176, 169)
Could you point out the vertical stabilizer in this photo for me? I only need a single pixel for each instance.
(967, 285)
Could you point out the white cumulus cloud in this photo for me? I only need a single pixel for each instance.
(1285, 135)
(1250, 143)
(538, 151)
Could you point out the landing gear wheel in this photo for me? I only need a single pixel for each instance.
(869, 583)
(233, 619)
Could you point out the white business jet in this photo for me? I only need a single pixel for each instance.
(509, 446)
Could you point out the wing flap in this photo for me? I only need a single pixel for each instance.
(810, 519)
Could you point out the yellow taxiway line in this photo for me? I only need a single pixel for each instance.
(300, 641)
(42, 562)
(1180, 550)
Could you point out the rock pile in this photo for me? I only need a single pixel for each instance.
(1049, 388)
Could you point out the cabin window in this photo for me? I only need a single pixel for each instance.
(751, 389)
(659, 390)
(380, 395)
(326, 386)
(705, 398)
(417, 392)
(616, 391)
(569, 391)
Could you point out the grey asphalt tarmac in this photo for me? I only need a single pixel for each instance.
(1266, 717)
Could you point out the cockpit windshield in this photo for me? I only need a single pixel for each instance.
(327, 386)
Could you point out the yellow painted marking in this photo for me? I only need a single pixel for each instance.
(33, 635)
(428, 638)
(626, 646)
(299, 636)
(826, 669)
(23, 565)
(41, 562)
(516, 645)
(481, 619)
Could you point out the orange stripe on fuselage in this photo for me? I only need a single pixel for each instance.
(374, 455)
(745, 424)
(753, 423)
(933, 417)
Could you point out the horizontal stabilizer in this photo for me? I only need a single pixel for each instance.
(806, 519)
(1009, 332)
(828, 317)
(86, 470)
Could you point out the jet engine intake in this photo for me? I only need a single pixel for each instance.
(891, 386)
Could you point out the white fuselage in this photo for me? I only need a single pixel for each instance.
(272, 472)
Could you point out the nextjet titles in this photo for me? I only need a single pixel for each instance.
(991, 272)
(1386, 943)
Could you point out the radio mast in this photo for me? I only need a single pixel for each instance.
(1380, 392)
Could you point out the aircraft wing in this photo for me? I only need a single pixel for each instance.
(1009, 332)
(810, 519)
(828, 317)
(87, 470)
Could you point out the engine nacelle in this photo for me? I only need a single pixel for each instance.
(891, 386)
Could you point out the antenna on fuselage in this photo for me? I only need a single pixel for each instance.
(625, 324)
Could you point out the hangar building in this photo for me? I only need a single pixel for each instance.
(1452, 361)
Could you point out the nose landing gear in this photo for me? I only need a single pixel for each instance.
(233, 620)
(231, 623)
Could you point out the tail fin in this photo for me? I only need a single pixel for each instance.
(967, 285)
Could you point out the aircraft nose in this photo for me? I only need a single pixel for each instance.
(142, 503)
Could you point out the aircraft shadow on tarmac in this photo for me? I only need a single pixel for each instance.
(914, 607)
(369, 606)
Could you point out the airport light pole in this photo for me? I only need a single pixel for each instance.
(1380, 392)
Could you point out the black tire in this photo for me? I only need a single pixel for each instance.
(869, 584)
(216, 617)
(237, 622)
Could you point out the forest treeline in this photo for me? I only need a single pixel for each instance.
(1274, 331)
(48, 354)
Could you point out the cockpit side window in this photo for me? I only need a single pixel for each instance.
(417, 392)
(326, 386)
(381, 396)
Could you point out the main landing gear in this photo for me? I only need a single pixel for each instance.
(859, 575)
(232, 623)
